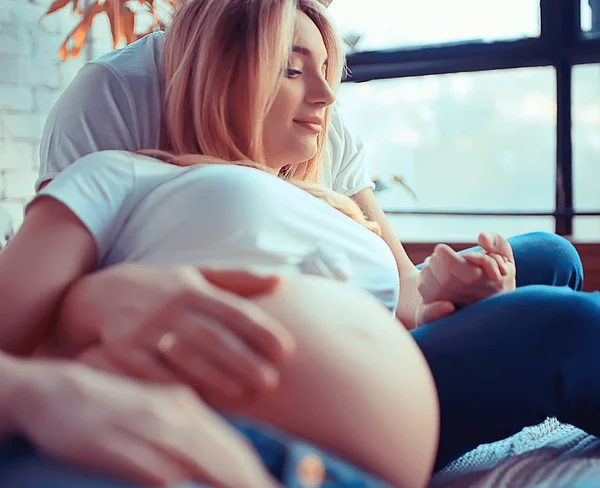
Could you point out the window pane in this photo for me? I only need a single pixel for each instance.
(590, 17)
(586, 137)
(452, 228)
(466, 141)
(586, 229)
(384, 24)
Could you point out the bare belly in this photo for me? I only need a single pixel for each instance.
(357, 384)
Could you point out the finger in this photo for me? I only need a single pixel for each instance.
(490, 266)
(451, 264)
(428, 285)
(475, 258)
(439, 271)
(207, 379)
(202, 340)
(241, 282)
(97, 358)
(135, 360)
(502, 264)
(480, 259)
(247, 320)
(188, 357)
(435, 311)
(493, 242)
(130, 459)
(202, 374)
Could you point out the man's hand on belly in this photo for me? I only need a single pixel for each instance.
(181, 325)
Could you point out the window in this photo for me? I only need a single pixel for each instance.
(590, 17)
(488, 110)
(384, 24)
(586, 137)
(461, 141)
(586, 149)
(453, 228)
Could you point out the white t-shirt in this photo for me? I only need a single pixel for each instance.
(114, 102)
(139, 209)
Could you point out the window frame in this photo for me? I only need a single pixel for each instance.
(561, 44)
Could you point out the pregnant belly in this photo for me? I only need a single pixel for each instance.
(357, 384)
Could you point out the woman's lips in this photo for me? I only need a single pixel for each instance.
(311, 126)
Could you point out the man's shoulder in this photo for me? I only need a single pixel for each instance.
(339, 140)
(141, 59)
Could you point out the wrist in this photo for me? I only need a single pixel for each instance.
(410, 299)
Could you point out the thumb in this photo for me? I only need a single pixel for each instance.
(241, 282)
(434, 311)
(493, 242)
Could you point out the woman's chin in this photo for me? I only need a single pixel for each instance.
(304, 152)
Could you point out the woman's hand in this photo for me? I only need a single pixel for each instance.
(216, 339)
(449, 279)
(149, 434)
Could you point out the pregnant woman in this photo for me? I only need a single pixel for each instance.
(356, 383)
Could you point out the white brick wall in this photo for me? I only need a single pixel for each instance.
(31, 79)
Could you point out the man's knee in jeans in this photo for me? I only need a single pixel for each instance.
(547, 257)
(568, 320)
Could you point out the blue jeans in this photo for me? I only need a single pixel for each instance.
(492, 379)
(514, 359)
(290, 460)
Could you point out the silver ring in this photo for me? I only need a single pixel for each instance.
(166, 342)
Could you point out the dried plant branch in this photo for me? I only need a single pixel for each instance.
(122, 17)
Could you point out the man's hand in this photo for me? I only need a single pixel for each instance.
(148, 434)
(178, 324)
(498, 263)
(449, 279)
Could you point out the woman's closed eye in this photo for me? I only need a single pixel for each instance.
(292, 73)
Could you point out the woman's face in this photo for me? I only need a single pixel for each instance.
(295, 119)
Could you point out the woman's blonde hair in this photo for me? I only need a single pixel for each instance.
(223, 62)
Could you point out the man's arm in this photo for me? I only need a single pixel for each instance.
(125, 428)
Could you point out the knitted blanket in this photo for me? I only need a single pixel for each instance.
(549, 455)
